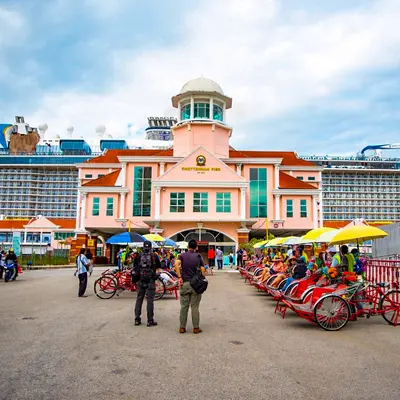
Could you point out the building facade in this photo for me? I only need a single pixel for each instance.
(201, 187)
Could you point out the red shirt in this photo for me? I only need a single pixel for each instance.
(211, 253)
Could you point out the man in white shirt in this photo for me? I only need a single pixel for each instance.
(81, 264)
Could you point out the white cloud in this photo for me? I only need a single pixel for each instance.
(269, 62)
(12, 28)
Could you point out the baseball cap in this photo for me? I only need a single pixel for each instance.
(147, 244)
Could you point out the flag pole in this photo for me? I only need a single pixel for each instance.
(129, 225)
(266, 229)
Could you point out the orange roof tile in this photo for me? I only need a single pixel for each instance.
(64, 223)
(106, 180)
(111, 156)
(289, 157)
(289, 182)
(20, 223)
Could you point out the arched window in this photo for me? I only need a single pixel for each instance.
(218, 114)
(185, 113)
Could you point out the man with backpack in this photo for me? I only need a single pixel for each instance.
(144, 273)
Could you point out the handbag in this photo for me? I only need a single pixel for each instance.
(198, 282)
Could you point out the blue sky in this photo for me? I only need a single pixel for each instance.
(311, 76)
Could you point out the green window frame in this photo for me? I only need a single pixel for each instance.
(110, 207)
(96, 207)
(63, 235)
(200, 202)
(218, 114)
(223, 203)
(142, 192)
(311, 178)
(177, 202)
(303, 208)
(88, 176)
(258, 193)
(201, 110)
(289, 208)
(300, 178)
(185, 112)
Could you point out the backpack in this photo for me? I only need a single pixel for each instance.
(146, 271)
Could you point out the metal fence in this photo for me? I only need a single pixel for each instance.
(383, 271)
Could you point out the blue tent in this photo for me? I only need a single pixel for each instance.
(126, 238)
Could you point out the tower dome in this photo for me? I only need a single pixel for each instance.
(201, 85)
(202, 99)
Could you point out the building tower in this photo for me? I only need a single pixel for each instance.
(202, 106)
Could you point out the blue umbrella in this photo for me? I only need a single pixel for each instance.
(170, 243)
(126, 238)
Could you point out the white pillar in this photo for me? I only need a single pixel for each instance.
(158, 203)
(321, 213)
(83, 211)
(239, 169)
(123, 174)
(25, 233)
(277, 206)
(243, 203)
(162, 168)
(315, 212)
(211, 116)
(78, 208)
(276, 170)
(179, 112)
(192, 107)
(122, 205)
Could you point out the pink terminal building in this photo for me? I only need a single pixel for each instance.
(200, 188)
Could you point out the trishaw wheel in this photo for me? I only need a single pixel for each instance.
(331, 312)
(289, 291)
(270, 280)
(160, 289)
(390, 305)
(105, 287)
(282, 283)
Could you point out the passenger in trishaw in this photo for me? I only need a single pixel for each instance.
(277, 266)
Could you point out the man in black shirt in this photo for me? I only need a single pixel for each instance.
(186, 267)
(145, 266)
(11, 256)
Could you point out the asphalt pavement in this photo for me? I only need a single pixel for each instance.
(54, 345)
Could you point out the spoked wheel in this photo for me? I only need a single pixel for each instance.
(390, 305)
(160, 289)
(331, 313)
(105, 287)
(289, 291)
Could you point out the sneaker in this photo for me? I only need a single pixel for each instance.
(197, 330)
(182, 330)
(84, 295)
(152, 323)
(137, 323)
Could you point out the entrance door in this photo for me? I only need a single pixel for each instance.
(203, 250)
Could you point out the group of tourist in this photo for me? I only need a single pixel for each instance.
(295, 263)
(8, 257)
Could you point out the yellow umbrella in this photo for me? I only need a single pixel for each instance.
(154, 237)
(259, 244)
(275, 242)
(358, 233)
(315, 233)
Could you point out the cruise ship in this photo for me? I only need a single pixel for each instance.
(38, 174)
(362, 186)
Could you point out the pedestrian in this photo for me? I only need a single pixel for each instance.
(211, 257)
(239, 258)
(220, 258)
(2, 263)
(186, 268)
(231, 259)
(82, 265)
(11, 256)
(144, 273)
(89, 256)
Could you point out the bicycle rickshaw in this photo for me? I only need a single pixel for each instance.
(113, 283)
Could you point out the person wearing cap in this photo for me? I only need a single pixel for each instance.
(291, 264)
(147, 286)
(277, 266)
(335, 256)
